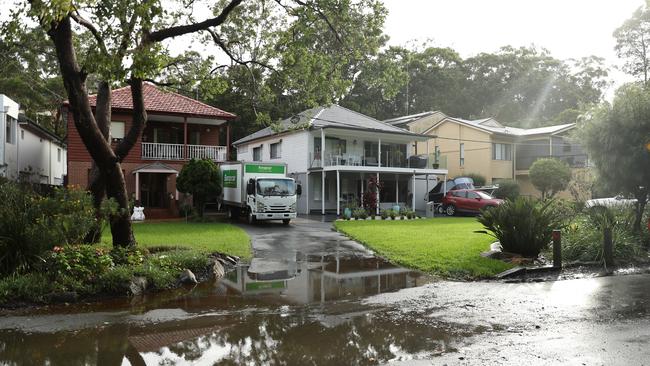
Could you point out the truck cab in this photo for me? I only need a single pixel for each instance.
(259, 191)
(270, 198)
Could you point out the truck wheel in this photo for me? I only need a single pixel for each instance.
(286, 221)
(251, 219)
(233, 213)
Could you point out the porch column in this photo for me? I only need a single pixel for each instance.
(444, 186)
(322, 147)
(377, 193)
(177, 194)
(379, 154)
(396, 189)
(338, 192)
(307, 190)
(227, 141)
(185, 138)
(426, 197)
(413, 193)
(322, 191)
(137, 186)
(361, 198)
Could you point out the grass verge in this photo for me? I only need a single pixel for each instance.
(447, 247)
(204, 237)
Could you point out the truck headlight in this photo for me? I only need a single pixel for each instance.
(260, 207)
(292, 208)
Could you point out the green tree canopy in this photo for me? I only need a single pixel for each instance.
(633, 43)
(617, 137)
(201, 179)
(550, 176)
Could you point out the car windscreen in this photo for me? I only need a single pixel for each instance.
(276, 187)
(484, 195)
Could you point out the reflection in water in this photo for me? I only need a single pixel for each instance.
(268, 312)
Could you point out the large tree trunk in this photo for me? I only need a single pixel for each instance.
(97, 185)
(74, 79)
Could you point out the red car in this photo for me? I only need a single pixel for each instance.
(467, 200)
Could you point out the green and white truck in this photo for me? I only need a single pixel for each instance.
(259, 191)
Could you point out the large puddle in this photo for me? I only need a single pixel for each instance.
(295, 312)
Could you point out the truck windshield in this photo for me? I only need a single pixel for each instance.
(276, 187)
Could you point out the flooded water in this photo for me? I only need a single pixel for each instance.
(268, 312)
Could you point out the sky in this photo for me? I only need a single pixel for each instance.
(567, 28)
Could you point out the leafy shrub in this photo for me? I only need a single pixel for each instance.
(176, 261)
(31, 224)
(392, 214)
(523, 226)
(131, 256)
(25, 287)
(508, 190)
(81, 262)
(157, 277)
(200, 178)
(384, 214)
(583, 240)
(360, 213)
(117, 279)
(479, 180)
(550, 176)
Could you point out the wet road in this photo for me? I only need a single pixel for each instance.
(311, 296)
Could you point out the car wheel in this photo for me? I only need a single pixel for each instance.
(286, 221)
(441, 209)
(450, 210)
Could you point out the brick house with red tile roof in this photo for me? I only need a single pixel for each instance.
(178, 129)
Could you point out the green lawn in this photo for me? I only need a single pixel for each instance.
(443, 246)
(207, 237)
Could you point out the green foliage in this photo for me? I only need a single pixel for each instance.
(81, 262)
(631, 43)
(116, 280)
(201, 179)
(130, 256)
(508, 190)
(523, 226)
(177, 261)
(524, 87)
(583, 238)
(360, 213)
(30, 287)
(384, 214)
(479, 180)
(550, 176)
(616, 139)
(454, 251)
(68, 215)
(392, 214)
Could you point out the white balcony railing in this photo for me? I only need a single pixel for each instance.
(215, 153)
(158, 151)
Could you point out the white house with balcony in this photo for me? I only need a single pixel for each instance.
(28, 151)
(333, 151)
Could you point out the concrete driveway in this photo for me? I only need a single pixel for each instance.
(305, 237)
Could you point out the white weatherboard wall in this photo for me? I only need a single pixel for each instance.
(39, 158)
(294, 147)
(8, 151)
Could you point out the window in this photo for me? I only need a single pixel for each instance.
(472, 195)
(460, 194)
(436, 151)
(117, 130)
(462, 154)
(257, 153)
(10, 128)
(501, 152)
(276, 150)
(195, 138)
(58, 155)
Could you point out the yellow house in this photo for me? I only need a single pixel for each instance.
(488, 148)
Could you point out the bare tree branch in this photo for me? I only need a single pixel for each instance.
(320, 13)
(88, 25)
(224, 48)
(180, 30)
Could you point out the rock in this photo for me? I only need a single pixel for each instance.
(494, 254)
(511, 272)
(187, 277)
(216, 269)
(138, 285)
(496, 246)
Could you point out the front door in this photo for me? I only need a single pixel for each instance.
(153, 188)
